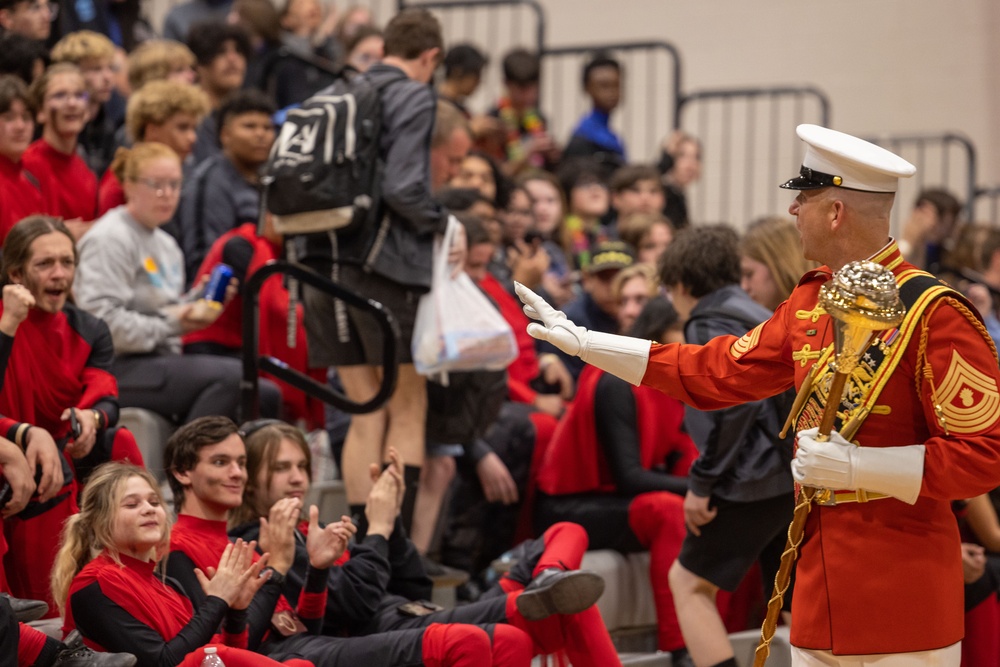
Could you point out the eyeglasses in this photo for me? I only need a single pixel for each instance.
(161, 188)
(52, 9)
(63, 97)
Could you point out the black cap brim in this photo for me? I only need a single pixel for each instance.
(802, 183)
(809, 179)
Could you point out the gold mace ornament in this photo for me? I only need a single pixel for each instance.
(862, 298)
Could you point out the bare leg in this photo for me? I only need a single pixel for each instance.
(704, 633)
(437, 475)
(366, 435)
(407, 410)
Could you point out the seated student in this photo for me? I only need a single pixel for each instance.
(222, 52)
(60, 98)
(636, 189)
(167, 112)
(132, 276)
(980, 530)
(593, 136)
(494, 490)
(680, 166)
(160, 60)
(463, 71)
(369, 591)
(617, 464)
(548, 207)
(19, 193)
(523, 140)
(94, 54)
(58, 399)
(206, 465)
(28, 18)
(632, 288)
(597, 304)
(648, 233)
(224, 190)
(245, 251)
(108, 590)
(588, 202)
(23, 57)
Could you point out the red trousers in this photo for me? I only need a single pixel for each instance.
(657, 519)
(981, 646)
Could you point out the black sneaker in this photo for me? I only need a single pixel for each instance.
(556, 591)
(26, 611)
(75, 654)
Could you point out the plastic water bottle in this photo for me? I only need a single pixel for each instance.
(212, 658)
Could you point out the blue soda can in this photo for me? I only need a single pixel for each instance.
(215, 290)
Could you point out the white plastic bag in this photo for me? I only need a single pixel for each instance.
(457, 327)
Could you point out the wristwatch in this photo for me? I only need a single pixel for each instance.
(276, 577)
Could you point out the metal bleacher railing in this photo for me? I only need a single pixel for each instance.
(253, 364)
(945, 161)
(496, 27)
(747, 148)
(986, 206)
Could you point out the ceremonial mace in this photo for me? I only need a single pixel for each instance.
(862, 298)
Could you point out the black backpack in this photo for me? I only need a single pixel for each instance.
(323, 172)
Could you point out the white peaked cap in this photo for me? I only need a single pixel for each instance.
(835, 159)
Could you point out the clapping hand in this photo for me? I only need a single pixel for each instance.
(327, 544)
(236, 578)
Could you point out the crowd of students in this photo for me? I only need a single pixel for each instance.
(130, 167)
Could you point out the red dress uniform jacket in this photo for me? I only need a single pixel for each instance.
(881, 576)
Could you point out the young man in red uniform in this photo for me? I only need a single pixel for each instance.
(380, 585)
(20, 195)
(55, 360)
(60, 98)
(879, 577)
(206, 463)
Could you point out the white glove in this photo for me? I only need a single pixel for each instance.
(623, 356)
(838, 464)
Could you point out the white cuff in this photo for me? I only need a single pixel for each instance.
(896, 471)
(623, 356)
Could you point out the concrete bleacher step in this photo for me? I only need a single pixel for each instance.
(658, 659)
(151, 433)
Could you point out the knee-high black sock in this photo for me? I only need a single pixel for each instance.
(357, 513)
(50, 651)
(726, 663)
(411, 476)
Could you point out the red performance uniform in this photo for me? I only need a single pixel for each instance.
(616, 465)
(127, 607)
(277, 631)
(881, 576)
(110, 193)
(246, 253)
(68, 185)
(20, 195)
(55, 361)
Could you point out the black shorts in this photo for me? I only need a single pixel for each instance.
(339, 335)
(740, 534)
